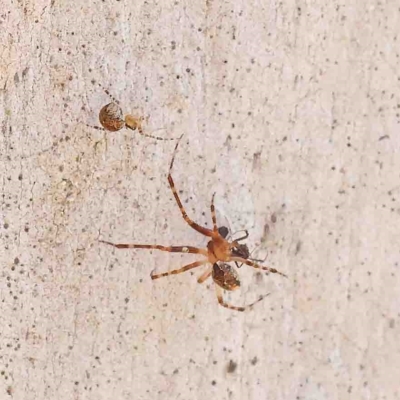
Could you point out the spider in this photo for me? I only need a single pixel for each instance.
(219, 252)
(112, 118)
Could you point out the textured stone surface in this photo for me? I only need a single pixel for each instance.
(290, 113)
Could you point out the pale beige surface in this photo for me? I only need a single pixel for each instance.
(289, 109)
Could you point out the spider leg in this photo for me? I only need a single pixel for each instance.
(222, 302)
(246, 235)
(204, 231)
(99, 128)
(178, 271)
(140, 130)
(213, 215)
(257, 260)
(255, 265)
(171, 249)
(135, 124)
(235, 243)
(204, 276)
(106, 91)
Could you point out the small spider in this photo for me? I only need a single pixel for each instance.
(112, 118)
(243, 248)
(219, 252)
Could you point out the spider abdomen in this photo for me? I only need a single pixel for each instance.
(225, 276)
(111, 117)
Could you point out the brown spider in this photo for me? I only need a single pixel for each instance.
(219, 252)
(112, 118)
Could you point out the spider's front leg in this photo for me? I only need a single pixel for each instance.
(213, 215)
(170, 249)
(204, 231)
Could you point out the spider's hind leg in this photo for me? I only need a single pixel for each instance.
(223, 303)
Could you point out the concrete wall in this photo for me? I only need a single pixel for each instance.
(291, 114)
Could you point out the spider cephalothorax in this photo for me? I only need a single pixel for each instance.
(219, 252)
